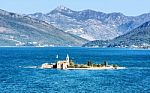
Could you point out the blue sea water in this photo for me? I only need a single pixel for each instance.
(18, 76)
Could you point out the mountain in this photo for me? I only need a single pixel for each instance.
(90, 24)
(137, 38)
(97, 43)
(20, 30)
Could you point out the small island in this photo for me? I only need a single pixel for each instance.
(70, 65)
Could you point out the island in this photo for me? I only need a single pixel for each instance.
(70, 65)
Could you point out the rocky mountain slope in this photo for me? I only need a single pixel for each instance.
(92, 25)
(136, 37)
(139, 37)
(19, 30)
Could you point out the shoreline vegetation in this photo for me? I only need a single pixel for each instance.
(89, 66)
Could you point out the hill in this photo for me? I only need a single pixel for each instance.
(21, 30)
(137, 38)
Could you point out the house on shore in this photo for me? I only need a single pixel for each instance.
(47, 65)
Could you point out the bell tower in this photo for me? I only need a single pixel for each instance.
(67, 58)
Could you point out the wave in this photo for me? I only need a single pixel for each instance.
(29, 67)
(140, 68)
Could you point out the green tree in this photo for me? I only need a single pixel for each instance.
(105, 63)
(114, 65)
(89, 63)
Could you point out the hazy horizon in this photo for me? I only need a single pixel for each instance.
(127, 7)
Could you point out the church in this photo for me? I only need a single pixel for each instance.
(63, 64)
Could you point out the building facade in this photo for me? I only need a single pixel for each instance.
(63, 64)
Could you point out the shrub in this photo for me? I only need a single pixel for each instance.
(99, 65)
(114, 65)
(71, 66)
(94, 65)
(83, 66)
(76, 66)
(71, 63)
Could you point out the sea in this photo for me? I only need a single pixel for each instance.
(18, 72)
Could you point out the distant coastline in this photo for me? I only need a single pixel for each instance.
(72, 47)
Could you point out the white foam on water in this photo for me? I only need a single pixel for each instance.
(30, 67)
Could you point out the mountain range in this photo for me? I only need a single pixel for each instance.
(90, 24)
(20, 30)
(137, 38)
(65, 27)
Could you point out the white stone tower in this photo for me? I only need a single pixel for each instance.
(67, 58)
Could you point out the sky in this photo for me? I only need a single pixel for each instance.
(127, 7)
